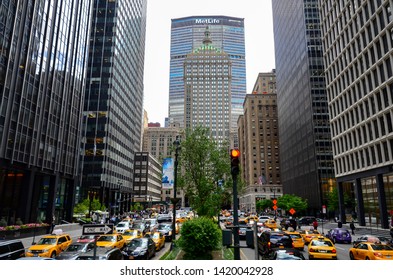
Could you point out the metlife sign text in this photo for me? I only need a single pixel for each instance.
(207, 21)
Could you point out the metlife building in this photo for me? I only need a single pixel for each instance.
(187, 33)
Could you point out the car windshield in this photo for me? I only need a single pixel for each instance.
(107, 238)
(321, 243)
(86, 237)
(295, 236)
(131, 233)
(381, 247)
(160, 227)
(74, 248)
(47, 241)
(135, 243)
(120, 225)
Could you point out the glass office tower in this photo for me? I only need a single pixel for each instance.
(113, 110)
(305, 141)
(187, 33)
(43, 53)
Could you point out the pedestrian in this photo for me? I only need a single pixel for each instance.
(339, 224)
(352, 226)
(53, 224)
(315, 224)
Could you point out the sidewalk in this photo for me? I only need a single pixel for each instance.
(359, 230)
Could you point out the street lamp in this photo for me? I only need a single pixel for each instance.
(174, 200)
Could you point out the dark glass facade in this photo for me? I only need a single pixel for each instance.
(113, 106)
(187, 33)
(305, 140)
(43, 52)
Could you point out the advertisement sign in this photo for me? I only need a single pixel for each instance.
(167, 173)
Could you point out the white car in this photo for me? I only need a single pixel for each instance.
(263, 219)
(122, 226)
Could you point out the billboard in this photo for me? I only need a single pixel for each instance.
(167, 173)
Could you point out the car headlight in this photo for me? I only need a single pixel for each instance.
(29, 251)
(45, 250)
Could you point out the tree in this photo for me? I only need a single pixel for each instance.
(288, 201)
(263, 204)
(332, 204)
(203, 163)
(83, 207)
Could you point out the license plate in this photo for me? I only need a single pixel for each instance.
(281, 247)
(388, 257)
(131, 257)
(322, 251)
(35, 255)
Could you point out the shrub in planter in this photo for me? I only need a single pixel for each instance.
(199, 237)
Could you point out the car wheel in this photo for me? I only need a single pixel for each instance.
(351, 256)
(53, 255)
(367, 258)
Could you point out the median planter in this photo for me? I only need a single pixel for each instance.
(22, 232)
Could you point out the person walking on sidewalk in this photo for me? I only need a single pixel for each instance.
(352, 226)
(315, 224)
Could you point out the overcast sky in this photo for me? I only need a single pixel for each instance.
(258, 27)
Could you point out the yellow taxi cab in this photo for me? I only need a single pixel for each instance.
(271, 223)
(371, 251)
(321, 248)
(181, 219)
(130, 234)
(158, 238)
(298, 242)
(252, 219)
(114, 240)
(49, 246)
(308, 235)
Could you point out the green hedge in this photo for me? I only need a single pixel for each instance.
(199, 237)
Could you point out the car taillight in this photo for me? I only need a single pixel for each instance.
(334, 251)
(311, 250)
(293, 245)
(378, 255)
(268, 245)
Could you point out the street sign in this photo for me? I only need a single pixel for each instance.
(292, 211)
(324, 209)
(97, 229)
(275, 207)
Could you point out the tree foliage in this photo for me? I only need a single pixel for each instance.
(263, 204)
(288, 201)
(202, 165)
(83, 207)
(333, 205)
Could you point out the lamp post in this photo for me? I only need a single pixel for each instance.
(174, 200)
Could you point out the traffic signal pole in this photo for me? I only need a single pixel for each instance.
(236, 238)
(235, 154)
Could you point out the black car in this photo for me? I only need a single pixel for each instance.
(306, 221)
(102, 253)
(166, 230)
(139, 249)
(287, 223)
(269, 240)
(74, 250)
(286, 254)
(11, 249)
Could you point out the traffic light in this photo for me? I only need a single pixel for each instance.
(235, 154)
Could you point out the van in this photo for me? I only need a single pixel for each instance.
(11, 249)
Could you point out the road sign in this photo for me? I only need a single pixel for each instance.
(275, 207)
(324, 209)
(96, 229)
(274, 201)
(292, 211)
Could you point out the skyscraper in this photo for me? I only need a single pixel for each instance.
(207, 79)
(113, 111)
(358, 57)
(305, 141)
(43, 54)
(187, 33)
